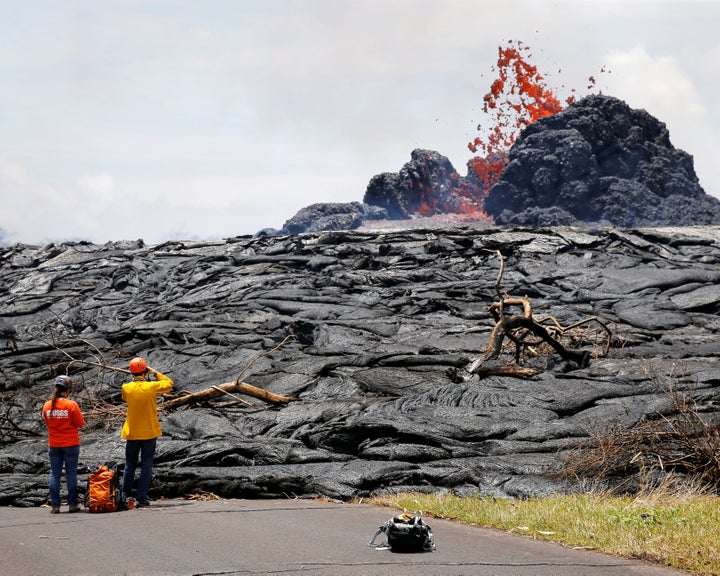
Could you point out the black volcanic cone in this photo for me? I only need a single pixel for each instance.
(599, 161)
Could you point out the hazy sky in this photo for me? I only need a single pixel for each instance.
(201, 119)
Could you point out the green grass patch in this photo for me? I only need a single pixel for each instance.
(678, 531)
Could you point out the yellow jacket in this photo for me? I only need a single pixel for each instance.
(141, 420)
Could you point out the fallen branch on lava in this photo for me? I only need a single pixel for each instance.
(230, 388)
(531, 336)
(105, 412)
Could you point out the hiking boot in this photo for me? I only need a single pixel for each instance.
(75, 509)
(54, 510)
(143, 504)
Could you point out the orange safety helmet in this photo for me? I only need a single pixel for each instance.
(138, 366)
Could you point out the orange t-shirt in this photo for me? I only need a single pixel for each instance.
(63, 423)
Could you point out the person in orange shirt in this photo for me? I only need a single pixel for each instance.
(142, 427)
(63, 419)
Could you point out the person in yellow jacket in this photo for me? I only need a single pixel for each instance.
(142, 427)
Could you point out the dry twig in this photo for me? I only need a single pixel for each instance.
(229, 387)
(684, 442)
(529, 334)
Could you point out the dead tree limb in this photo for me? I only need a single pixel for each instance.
(98, 360)
(228, 388)
(249, 364)
(527, 332)
(512, 323)
(8, 425)
(237, 398)
(505, 370)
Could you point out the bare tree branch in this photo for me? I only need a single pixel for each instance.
(229, 387)
(527, 333)
(267, 353)
(208, 394)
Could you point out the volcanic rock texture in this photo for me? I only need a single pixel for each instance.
(599, 161)
(385, 327)
(596, 163)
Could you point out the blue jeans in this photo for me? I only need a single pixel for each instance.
(67, 457)
(145, 451)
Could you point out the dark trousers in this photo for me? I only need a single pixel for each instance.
(144, 452)
(67, 457)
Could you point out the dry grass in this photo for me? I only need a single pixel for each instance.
(670, 529)
(664, 506)
(685, 440)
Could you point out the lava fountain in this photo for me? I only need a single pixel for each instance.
(517, 98)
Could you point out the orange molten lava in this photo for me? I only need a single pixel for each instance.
(516, 99)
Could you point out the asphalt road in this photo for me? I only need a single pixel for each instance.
(229, 537)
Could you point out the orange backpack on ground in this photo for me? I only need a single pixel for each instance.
(103, 492)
